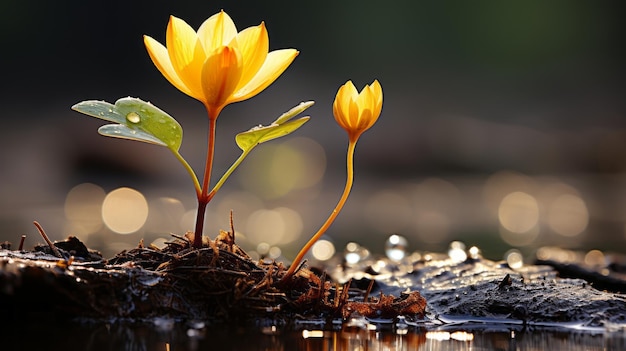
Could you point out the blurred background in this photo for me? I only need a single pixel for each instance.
(503, 126)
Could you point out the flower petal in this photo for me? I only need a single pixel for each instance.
(346, 94)
(217, 31)
(353, 114)
(373, 96)
(338, 113)
(254, 45)
(160, 58)
(275, 64)
(377, 90)
(340, 104)
(221, 74)
(186, 53)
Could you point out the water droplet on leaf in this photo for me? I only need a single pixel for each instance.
(133, 117)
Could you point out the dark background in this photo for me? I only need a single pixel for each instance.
(471, 89)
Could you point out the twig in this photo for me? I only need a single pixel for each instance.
(54, 249)
(368, 291)
(345, 292)
(232, 230)
(22, 242)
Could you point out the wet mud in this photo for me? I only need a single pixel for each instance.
(220, 283)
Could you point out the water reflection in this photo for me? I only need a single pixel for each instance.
(177, 336)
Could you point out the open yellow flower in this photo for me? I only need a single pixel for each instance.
(357, 112)
(218, 65)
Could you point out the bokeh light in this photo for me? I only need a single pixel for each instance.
(83, 209)
(518, 212)
(323, 250)
(355, 253)
(275, 252)
(568, 215)
(279, 168)
(502, 183)
(474, 252)
(124, 210)
(514, 259)
(595, 258)
(396, 247)
(456, 251)
(549, 254)
(276, 227)
(263, 248)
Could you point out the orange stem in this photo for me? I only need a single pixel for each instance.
(333, 215)
(203, 197)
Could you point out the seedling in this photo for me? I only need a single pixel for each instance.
(218, 65)
(355, 112)
(138, 120)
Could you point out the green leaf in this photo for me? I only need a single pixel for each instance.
(282, 126)
(293, 112)
(123, 132)
(135, 119)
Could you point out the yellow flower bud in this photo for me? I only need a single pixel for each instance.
(357, 112)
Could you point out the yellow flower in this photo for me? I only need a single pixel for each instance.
(218, 65)
(357, 112)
